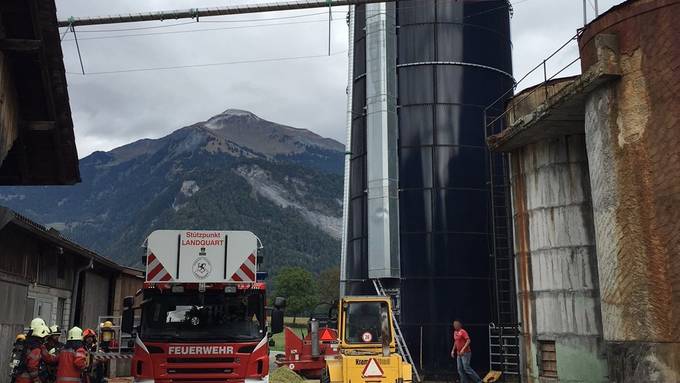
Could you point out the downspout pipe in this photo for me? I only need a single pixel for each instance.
(74, 293)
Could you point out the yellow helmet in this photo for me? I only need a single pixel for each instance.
(107, 324)
(40, 332)
(76, 333)
(37, 322)
(55, 330)
(20, 336)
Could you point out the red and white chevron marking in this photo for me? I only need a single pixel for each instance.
(246, 273)
(155, 270)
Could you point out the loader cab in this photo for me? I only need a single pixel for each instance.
(366, 323)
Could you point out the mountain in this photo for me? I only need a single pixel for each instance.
(234, 171)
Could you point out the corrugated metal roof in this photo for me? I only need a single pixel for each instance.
(49, 234)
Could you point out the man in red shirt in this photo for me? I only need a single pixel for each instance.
(462, 352)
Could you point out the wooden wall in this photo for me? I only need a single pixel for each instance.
(12, 316)
(126, 285)
(39, 262)
(94, 299)
(8, 109)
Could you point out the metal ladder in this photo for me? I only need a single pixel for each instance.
(401, 343)
(504, 334)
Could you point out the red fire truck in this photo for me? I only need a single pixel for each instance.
(202, 310)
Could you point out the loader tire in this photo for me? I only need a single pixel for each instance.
(325, 376)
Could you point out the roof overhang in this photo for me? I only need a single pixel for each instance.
(36, 129)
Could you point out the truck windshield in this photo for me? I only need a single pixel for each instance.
(362, 322)
(209, 316)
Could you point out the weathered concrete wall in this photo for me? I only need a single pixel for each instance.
(557, 265)
(633, 140)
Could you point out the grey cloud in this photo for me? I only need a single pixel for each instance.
(110, 110)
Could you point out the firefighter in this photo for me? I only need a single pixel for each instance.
(17, 353)
(90, 340)
(108, 337)
(53, 343)
(93, 372)
(73, 358)
(35, 357)
(53, 346)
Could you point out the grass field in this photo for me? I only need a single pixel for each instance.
(299, 326)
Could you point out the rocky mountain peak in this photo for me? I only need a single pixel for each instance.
(238, 114)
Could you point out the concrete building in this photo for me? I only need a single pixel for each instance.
(43, 274)
(595, 165)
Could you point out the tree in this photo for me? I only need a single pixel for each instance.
(329, 285)
(298, 286)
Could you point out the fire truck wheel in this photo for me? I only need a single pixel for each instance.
(325, 376)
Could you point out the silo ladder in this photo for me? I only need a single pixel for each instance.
(401, 343)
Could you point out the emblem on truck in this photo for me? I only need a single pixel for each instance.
(201, 268)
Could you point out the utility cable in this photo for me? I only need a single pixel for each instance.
(203, 21)
(80, 57)
(201, 30)
(278, 59)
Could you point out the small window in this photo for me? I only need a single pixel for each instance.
(547, 358)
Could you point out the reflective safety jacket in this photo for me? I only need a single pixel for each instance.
(35, 360)
(72, 363)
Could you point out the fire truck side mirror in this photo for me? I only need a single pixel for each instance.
(128, 319)
(277, 321)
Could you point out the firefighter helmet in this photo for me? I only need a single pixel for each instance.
(20, 337)
(89, 332)
(37, 322)
(107, 324)
(40, 332)
(55, 330)
(75, 334)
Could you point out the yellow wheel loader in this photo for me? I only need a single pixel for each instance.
(366, 345)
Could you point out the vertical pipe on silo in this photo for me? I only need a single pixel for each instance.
(348, 153)
(381, 138)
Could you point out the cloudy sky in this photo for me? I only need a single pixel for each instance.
(117, 102)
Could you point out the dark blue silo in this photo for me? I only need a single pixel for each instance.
(453, 60)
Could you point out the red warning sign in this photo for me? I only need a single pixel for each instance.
(326, 335)
(373, 370)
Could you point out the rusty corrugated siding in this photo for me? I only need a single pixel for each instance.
(523, 261)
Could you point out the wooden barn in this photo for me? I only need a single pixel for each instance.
(43, 274)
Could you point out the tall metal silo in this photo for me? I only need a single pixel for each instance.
(419, 206)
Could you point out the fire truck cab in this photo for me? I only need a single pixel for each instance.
(202, 311)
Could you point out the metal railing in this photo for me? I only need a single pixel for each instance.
(504, 349)
(542, 69)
